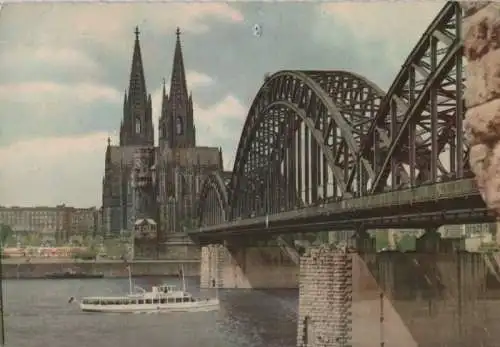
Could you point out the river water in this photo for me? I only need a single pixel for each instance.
(38, 315)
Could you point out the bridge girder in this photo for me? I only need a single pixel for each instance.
(303, 133)
(213, 203)
(313, 137)
(423, 135)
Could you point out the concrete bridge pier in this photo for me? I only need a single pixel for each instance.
(353, 296)
(241, 263)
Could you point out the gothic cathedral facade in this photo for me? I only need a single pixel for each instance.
(160, 183)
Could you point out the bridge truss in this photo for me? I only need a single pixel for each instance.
(315, 137)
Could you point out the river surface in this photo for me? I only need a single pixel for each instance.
(38, 315)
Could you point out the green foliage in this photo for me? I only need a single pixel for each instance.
(84, 254)
(381, 240)
(406, 243)
(6, 233)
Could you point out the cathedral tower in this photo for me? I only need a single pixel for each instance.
(137, 124)
(176, 126)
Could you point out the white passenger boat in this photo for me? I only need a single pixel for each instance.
(162, 298)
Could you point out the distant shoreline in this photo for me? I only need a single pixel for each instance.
(15, 261)
(38, 268)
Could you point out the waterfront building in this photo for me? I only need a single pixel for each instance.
(57, 223)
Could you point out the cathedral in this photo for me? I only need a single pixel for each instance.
(158, 183)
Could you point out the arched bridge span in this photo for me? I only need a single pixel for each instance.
(314, 137)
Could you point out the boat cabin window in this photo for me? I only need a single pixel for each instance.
(149, 301)
(186, 299)
(140, 301)
(178, 299)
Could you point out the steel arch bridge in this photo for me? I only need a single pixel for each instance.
(313, 138)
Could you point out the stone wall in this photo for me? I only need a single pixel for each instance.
(109, 269)
(179, 251)
(247, 267)
(394, 299)
(325, 298)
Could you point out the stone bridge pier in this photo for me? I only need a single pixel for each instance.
(434, 296)
(239, 263)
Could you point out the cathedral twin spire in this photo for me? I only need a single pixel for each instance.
(176, 125)
(137, 125)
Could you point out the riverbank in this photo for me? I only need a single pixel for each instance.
(37, 268)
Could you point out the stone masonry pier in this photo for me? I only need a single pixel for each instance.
(392, 299)
(238, 266)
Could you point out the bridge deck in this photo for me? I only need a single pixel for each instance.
(449, 202)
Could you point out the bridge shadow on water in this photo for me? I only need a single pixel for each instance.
(248, 317)
(267, 317)
(425, 299)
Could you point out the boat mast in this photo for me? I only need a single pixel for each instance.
(130, 288)
(183, 279)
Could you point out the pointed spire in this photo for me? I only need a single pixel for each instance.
(137, 84)
(108, 155)
(178, 85)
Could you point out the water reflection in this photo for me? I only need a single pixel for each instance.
(38, 314)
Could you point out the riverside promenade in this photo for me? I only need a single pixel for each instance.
(24, 268)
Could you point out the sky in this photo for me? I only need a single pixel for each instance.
(64, 68)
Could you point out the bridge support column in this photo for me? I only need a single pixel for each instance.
(325, 298)
(211, 257)
(429, 242)
(240, 263)
(393, 299)
(362, 241)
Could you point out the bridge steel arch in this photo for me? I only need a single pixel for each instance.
(213, 203)
(315, 136)
(427, 135)
(303, 131)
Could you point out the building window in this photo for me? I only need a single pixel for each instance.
(178, 126)
(163, 131)
(137, 126)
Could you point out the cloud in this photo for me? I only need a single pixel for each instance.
(218, 125)
(221, 125)
(194, 81)
(377, 20)
(214, 120)
(63, 75)
(22, 55)
(395, 26)
(42, 91)
(93, 21)
(55, 170)
(68, 169)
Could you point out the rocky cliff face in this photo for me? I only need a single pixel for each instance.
(481, 35)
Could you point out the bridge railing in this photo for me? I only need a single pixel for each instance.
(440, 191)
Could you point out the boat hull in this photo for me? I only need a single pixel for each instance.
(199, 306)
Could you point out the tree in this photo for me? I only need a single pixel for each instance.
(6, 233)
